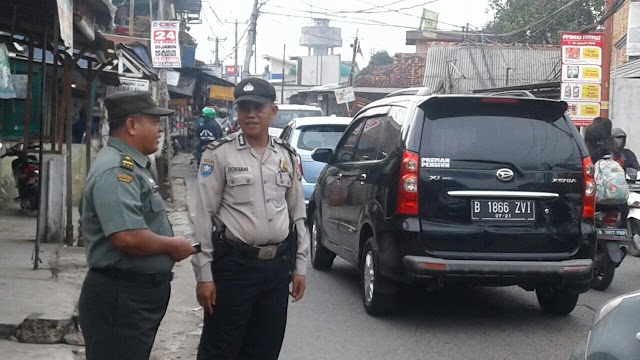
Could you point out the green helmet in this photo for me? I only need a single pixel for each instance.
(209, 113)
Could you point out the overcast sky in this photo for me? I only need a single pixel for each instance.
(282, 20)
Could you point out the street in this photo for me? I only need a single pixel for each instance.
(464, 323)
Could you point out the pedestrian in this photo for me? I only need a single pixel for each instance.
(250, 193)
(130, 246)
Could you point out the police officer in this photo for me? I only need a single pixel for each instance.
(130, 245)
(250, 192)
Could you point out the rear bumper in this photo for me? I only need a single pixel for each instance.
(423, 266)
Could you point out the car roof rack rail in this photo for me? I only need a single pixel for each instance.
(416, 91)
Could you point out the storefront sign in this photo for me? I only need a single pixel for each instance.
(221, 93)
(581, 92)
(582, 75)
(129, 84)
(165, 50)
(344, 95)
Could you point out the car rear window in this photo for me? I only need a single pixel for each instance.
(283, 117)
(529, 143)
(320, 136)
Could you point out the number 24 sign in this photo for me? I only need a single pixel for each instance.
(164, 35)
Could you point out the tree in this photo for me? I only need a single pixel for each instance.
(380, 58)
(540, 21)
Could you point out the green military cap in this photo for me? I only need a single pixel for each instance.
(126, 103)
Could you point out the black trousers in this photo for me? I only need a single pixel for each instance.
(250, 315)
(120, 317)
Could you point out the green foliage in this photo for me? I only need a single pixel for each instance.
(517, 16)
(380, 58)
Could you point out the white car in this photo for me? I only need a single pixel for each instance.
(308, 134)
(288, 112)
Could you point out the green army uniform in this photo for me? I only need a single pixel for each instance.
(124, 297)
(120, 194)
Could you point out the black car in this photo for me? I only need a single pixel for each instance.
(446, 190)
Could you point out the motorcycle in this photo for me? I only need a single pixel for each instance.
(175, 144)
(612, 246)
(26, 174)
(633, 220)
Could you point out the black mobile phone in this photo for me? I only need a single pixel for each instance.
(198, 247)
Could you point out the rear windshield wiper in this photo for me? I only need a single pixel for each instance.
(510, 163)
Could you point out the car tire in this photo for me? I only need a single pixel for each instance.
(378, 296)
(321, 257)
(555, 301)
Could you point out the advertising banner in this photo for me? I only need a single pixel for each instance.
(582, 75)
(165, 50)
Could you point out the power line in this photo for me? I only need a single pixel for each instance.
(214, 12)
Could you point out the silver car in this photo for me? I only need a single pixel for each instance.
(615, 332)
(309, 133)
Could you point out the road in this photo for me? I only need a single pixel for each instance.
(471, 323)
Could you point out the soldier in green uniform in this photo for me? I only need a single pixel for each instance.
(251, 192)
(130, 245)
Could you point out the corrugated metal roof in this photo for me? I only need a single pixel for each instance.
(462, 68)
(630, 69)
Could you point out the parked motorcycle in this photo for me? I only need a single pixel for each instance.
(175, 144)
(26, 174)
(633, 220)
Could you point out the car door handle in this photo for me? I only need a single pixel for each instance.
(363, 178)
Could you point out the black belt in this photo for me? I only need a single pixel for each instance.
(152, 278)
(267, 252)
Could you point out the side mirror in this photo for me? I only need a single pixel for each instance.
(322, 155)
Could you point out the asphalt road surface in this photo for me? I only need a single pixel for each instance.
(465, 323)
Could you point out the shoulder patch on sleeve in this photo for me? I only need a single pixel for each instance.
(217, 143)
(124, 178)
(126, 162)
(206, 168)
(287, 146)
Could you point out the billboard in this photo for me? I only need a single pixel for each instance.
(320, 70)
(165, 50)
(582, 75)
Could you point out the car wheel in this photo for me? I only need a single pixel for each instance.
(321, 257)
(556, 302)
(378, 297)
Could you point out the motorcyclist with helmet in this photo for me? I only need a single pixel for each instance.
(625, 157)
(207, 131)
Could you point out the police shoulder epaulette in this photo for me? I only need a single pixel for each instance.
(216, 143)
(126, 162)
(286, 145)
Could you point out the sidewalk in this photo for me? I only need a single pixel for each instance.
(38, 307)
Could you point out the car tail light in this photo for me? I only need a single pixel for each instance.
(610, 219)
(407, 203)
(589, 194)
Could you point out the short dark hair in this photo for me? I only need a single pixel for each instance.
(116, 124)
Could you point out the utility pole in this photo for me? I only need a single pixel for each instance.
(132, 5)
(606, 60)
(284, 55)
(235, 67)
(353, 60)
(251, 40)
(217, 51)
